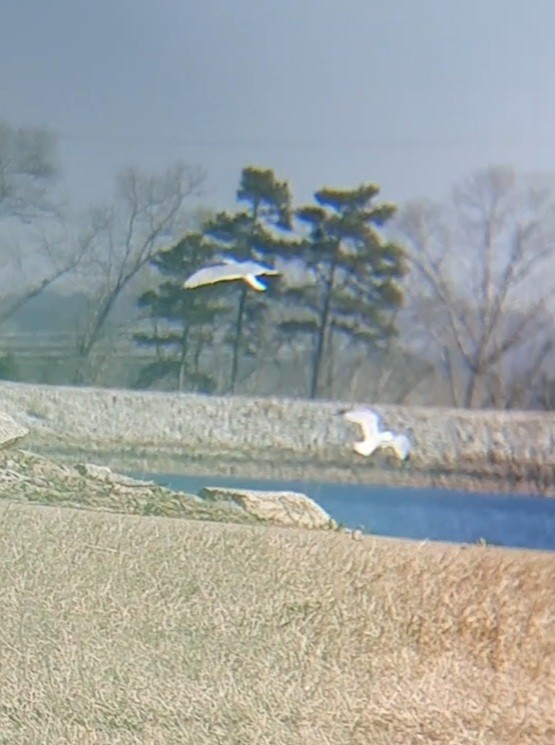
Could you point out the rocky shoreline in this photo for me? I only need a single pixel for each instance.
(282, 439)
(31, 478)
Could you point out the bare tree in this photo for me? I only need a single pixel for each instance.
(148, 210)
(55, 251)
(486, 279)
(521, 383)
(388, 375)
(28, 168)
(36, 246)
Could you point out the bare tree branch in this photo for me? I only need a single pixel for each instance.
(28, 167)
(479, 261)
(61, 252)
(147, 209)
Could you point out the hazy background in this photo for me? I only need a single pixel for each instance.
(411, 95)
(448, 107)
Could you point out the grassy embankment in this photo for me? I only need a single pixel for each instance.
(126, 629)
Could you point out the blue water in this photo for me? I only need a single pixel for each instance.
(416, 513)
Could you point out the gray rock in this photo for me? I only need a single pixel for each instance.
(104, 473)
(278, 507)
(10, 431)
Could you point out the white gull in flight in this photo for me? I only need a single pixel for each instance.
(374, 437)
(231, 269)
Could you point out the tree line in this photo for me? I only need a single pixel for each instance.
(426, 302)
(346, 283)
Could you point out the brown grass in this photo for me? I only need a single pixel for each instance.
(122, 629)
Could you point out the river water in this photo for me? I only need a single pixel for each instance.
(416, 513)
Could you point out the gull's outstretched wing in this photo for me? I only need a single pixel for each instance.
(367, 420)
(211, 274)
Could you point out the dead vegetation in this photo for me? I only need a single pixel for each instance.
(283, 439)
(125, 629)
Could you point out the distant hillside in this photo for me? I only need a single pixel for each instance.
(56, 311)
(50, 311)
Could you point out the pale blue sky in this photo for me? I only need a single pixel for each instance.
(410, 94)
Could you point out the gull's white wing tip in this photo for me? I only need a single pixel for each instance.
(197, 280)
(190, 283)
(200, 277)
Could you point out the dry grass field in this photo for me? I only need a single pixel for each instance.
(121, 629)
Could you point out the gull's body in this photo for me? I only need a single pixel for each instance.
(374, 437)
(228, 270)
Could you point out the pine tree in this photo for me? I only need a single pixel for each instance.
(255, 232)
(353, 274)
(182, 321)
